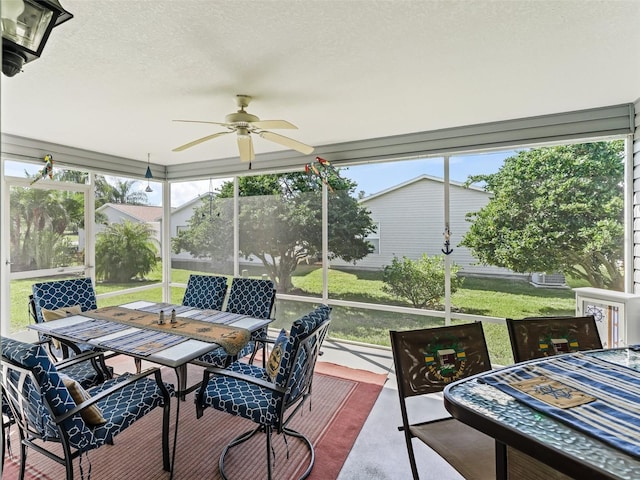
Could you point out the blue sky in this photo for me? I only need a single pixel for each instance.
(370, 178)
(374, 178)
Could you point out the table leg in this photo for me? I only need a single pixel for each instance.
(181, 375)
(501, 461)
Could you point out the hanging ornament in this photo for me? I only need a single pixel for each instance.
(148, 175)
(47, 170)
(321, 170)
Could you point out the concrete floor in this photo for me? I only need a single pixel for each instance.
(380, 451)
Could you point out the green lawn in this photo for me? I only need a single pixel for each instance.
(478, 296)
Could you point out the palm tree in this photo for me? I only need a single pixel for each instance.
(122, 192)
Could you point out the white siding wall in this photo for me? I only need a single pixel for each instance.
(636, 200)
(411, 222)
(180, 218)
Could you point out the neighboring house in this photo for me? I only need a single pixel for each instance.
(119, 212)
(410, 221)
(180, 217)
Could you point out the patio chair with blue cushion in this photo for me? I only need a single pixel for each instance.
(84, 369)
(50, 407)
(62, 298)
(537, 337)
(205, 292)
(254, 298)
(271, 396)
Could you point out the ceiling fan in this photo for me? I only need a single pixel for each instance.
(244, 124)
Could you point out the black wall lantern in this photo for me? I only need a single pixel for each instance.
(26, 25)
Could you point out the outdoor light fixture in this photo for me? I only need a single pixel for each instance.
(148, 175)
(26, 25)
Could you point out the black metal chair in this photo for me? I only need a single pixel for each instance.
(49, 406)
(428, 360)
(86, 369)
(536, 337)
(269, 397)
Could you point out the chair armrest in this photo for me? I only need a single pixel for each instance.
(67, 362)
(239, 376)
(115, 388)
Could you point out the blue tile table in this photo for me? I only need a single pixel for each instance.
(568, 416)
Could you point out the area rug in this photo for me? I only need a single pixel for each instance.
(341, 401)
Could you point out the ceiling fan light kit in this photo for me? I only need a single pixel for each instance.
(244, 124)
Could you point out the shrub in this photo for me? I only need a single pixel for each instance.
(123, 251)
(421, 282)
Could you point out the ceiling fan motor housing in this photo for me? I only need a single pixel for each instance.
(241, 117)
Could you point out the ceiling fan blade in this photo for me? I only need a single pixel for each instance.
(199, 141)
(270, 124)
(287, 142)
(200, 121)
(245, 145)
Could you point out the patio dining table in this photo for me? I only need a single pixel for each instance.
(134, 329)
(574, 415)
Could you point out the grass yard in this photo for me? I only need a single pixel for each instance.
(478, 296)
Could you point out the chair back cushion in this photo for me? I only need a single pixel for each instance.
(428, 360)
(205, 292)
(301, 351)
(63, 293)
(250, 296)
(48, 388)
(537, 337)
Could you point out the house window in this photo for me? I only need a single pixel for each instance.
(374, 239)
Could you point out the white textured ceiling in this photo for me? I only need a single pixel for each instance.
(112, 79)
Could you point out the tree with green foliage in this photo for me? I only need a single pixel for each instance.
(124, 251)
(555, 209)
(40, 220)
(280, 223)
(421, 281)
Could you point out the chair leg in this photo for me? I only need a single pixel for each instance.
(4, 448)
(138, 364)
(236, 441)
(23, 459)
(412, 457)
(267, 431)
(293, 433)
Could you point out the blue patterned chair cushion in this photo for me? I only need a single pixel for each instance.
(252, 401)
(35, 359)
(125, 406)
(301, 327)
(244, 399)
(84, 373)
(64, 293)
(250, 296)
(247, 296)
(120, 409)
(205, 292)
